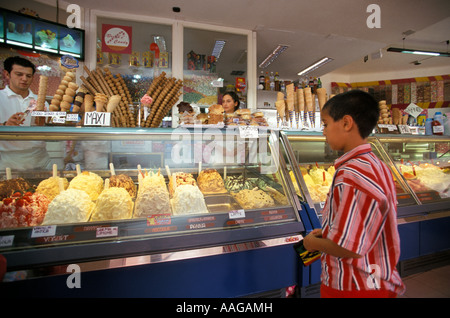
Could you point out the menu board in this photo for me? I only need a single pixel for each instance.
(24, 31)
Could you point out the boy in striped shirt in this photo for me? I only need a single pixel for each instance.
(359, 239)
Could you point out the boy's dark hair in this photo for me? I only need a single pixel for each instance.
(361, 106)
(235, 98)
(10, 61)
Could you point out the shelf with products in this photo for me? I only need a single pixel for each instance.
(315, 161)
(214, 189)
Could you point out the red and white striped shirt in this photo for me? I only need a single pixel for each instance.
(360, 215)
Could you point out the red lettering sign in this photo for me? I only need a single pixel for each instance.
(116, 38)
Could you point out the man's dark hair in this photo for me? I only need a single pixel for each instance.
(10, 61)
(361, 106)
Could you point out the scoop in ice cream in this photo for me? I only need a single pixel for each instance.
(23, 210)
(50, 187)
(153, 196)
(113, 204)
(70, 206)
(188, 199)
(123, 181)
(89, 182)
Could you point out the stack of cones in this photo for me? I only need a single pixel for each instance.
(290, 101)
(62, 100)
(100, 101)
(165, 93)
(108, 85)
(40, 103)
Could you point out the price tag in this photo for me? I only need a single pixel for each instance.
(413, 110)
(404, 129)
(58, 120)
(97, 119)
(106, 231)
(41, 231)
(236, 214)
(6, 241)
(72, 117)
(248, 131)
(37, 113)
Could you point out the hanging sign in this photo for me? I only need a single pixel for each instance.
(116, 38)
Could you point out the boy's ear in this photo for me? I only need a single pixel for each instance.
(348, 122)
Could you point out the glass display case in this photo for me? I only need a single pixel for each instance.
(424, 164)
(419, 165)
(189, 189)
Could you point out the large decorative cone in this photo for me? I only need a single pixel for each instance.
(113, 102)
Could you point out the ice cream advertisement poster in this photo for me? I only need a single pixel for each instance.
(116, 39)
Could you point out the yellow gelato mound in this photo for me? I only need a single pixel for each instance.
(320, 176)
(123, 181)
(89, 182)
(210, 180)
(113, 204)
(50, 187)
(188, 199)
(70, 206)
(253, 199)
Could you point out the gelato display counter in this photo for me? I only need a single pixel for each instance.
(420, 166)
(151, 205)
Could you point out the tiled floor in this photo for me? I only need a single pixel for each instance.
(434, 283)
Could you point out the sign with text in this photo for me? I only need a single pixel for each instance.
(413, 110)
(116, 38)
(97, 119)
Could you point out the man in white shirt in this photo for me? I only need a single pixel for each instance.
(14, 100)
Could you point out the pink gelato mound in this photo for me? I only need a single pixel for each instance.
(23, 210)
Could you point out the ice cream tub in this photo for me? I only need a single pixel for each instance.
(221, 203)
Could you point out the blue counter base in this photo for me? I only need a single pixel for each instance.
(227, 275)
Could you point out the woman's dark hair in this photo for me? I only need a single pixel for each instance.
(361, 106)
(10, 61)
(235, 98)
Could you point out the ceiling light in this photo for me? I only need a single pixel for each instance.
(218, 47)
(314, 66)
(272, 56)
(419, 52)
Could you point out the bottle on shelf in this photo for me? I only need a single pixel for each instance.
(261, 81)
(319, 83)
(277, 82)
(272, 81)
(437, 125)
(267, 82)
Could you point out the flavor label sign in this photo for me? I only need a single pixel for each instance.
(116, 38)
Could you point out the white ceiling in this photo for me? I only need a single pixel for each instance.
(313, 29)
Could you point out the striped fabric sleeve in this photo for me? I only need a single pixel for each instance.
(357, 221)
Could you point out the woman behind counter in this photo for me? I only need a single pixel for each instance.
(230, 102)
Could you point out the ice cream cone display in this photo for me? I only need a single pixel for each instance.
(78, 103)
(321, 96)
(385, 116)
(40, 102)
(89, 103)
(164, 93)
(113, 102)
(301, 106)
(281, 108)
(100, 101)
(309, 105)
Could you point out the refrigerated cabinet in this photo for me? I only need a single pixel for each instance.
(241, 244)
(420, 166)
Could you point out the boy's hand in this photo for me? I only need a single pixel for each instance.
(309, 240)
